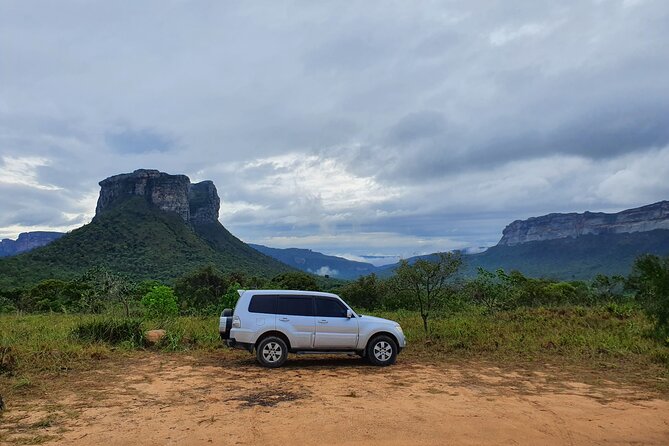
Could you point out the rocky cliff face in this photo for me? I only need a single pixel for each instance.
(27, 241)
(555, 226)
(203, 202)
(194, 203)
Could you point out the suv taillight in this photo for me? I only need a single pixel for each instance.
(236, 322)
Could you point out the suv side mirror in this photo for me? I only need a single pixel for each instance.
(349, 314)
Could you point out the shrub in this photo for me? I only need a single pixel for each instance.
(621, 310)
(6, 305)
(650, 280)
(493, 291)
(231, 296)
(201, 288)
(160, 303)
(365, 292)
(113, 331)
(7, 360)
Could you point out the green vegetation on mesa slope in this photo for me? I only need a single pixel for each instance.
(141, 242)
(578, 258)
(573, 258)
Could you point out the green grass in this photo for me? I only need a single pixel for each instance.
(584, 335)
(50, 342)
(592, 337)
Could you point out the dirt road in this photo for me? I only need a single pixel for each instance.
(162, 400)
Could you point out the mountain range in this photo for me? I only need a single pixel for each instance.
(150, 224)
(319, 263)
(147, 225)
(574, 245)
(27, 241)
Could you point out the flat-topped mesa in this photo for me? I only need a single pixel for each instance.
(555, 226)
(194, 203)
(27, 241)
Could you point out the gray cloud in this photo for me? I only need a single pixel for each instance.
(138, 141)
(327, 124)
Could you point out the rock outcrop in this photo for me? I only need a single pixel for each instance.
(556, 226)
(194, 203)
(153, 337)
(204, 203)
(27, 241)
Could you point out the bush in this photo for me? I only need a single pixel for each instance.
(6, 305)
(493, 291)
(113, 331)
(365, 292)
(160, 303)
(650, 280)
(7, 360)
(621, 310)
(201, 288)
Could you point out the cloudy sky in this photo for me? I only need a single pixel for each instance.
(347, 127)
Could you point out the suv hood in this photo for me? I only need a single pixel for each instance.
(376, 320)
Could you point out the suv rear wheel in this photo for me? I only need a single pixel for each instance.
(382, 350)
(272, 352)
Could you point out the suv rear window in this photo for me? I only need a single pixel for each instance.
(329, 308)
(263, 303)
(296, 305)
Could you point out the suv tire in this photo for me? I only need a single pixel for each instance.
(272, 352)
(382, 350)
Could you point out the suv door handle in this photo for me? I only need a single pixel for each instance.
(322, 321)
(284, 319)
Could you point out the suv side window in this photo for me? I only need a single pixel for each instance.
(329, 308)
(263, 303)
(296, 305)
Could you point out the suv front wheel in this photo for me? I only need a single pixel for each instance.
(272, 352)
(382, 350)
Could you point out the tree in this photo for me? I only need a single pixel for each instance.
(295, 281)
(364, 292)
(160, 303)
(650, 280)
(231, 296)
(201, 288)
(426, 283)
(607, 288)
(119, 289)
(494, 291)
(45, 296)
(99, 289)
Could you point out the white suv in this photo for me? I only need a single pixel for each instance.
(275, 322)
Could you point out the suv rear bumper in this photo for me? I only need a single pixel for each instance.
(232, 342)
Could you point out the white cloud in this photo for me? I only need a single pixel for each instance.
(374, 259)
(312, 177)
(504, 35)
(23, 171)
(394, 129)
(365, 242)
(634, 178)
(325, 271)
(230, 208)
